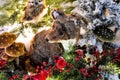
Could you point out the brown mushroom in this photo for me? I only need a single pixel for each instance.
(7, 58)
(16, 49)
(6, 39)
(4, 56)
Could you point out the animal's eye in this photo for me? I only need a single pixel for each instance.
(60, 32)
(53, 27)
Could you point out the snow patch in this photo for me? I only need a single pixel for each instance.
(27, 38)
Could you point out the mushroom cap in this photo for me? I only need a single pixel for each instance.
(16, 49)
(6, 39)
(7, 58)
(104, 34)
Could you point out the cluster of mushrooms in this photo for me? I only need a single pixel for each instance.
(11, 50)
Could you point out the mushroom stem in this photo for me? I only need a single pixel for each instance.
(17, 61)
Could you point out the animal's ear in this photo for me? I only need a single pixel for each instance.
(56, 13)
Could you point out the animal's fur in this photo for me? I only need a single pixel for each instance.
(41, 50)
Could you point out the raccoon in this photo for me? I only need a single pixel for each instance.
(33, 11)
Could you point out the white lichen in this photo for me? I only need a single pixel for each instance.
(98, 13)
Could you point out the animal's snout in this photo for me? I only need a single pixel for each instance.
(36, 3)
(47, 39)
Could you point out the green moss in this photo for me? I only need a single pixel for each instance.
(12, 12)
(2, 76)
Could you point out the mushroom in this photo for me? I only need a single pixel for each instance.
(104, 34)
(15, 50)
(4, 56)
(6, 39)
(7, 58)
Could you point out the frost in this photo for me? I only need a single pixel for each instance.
(98, 13)
(95, 11)
(99, 46)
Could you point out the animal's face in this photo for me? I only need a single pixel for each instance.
(57, 32)
(34, 11)
(36, 2)
(64, 27)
